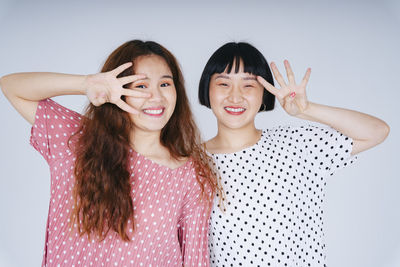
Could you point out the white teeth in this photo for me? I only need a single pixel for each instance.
(153, 111)
(234, 109)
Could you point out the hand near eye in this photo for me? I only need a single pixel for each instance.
(105, 87)
(291, 96)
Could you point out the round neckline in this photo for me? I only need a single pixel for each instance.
(241, 150)
(150, 161)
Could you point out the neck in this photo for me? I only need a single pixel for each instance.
(230, 140)
(146, 143)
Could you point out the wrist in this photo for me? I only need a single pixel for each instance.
(306, 111)
(85, 84)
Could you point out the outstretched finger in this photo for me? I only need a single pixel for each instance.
(124, 106)
(135, 93)
(289, 72)
(121, 68)
(306, 78)
(131, 78)
(278, 76)
(269, 87)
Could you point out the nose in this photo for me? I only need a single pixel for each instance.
(235, 95)
(156, 94)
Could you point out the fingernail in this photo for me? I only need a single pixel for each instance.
(293, 94)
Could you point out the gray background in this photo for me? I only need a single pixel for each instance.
(352, 48)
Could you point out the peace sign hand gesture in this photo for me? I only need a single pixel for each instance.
(291, 96)
(106, 87)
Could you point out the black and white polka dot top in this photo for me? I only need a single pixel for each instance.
(274, 196)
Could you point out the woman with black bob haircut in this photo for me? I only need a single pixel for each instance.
(273, 179)
(229, 56)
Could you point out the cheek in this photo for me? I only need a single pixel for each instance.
(255, 97)
(170, 95)
(215, 96)
(134, 101)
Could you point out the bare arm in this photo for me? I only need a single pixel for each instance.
(25, 90)
(365, 130)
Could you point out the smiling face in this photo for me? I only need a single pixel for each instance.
(156, 110)
(235, 98)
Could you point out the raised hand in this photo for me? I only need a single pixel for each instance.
(291, 96)
(105, 87)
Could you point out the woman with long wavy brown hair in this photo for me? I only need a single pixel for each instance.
(130, 182)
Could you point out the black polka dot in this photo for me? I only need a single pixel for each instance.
(275, 193)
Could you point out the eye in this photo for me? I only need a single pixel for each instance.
(140, 86)
(165, 84)
(249, 86)
(223, 84)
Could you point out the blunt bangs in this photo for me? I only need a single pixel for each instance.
(228, 57)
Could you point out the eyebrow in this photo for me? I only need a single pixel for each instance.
(162, 77)
(222, 76)
(249, 78)
(227, 77)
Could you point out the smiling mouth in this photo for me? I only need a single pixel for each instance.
(155, 112)
(235, 110)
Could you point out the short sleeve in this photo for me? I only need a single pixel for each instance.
(52, 129)
(329, 149)
(324, 147)
(193, 227)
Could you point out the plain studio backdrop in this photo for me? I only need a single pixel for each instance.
(352, 48)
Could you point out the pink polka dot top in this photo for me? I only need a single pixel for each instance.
(171, 221)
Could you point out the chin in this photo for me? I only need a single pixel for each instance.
(150, 130)
(235, 125)
(149, 127)
(155, 128)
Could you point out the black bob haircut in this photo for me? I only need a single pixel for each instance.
(225, 57)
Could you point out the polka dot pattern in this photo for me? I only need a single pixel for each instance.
(171, 221)
(274, 191)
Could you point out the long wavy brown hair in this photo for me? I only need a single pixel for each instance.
(102, 190)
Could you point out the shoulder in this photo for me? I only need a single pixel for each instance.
(195, 179)
(290, 131)
(52, 129)
(50, 110)
(211, 145)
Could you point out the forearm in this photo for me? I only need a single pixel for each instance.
(35, 86)
(25, 90)
(365, 130)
